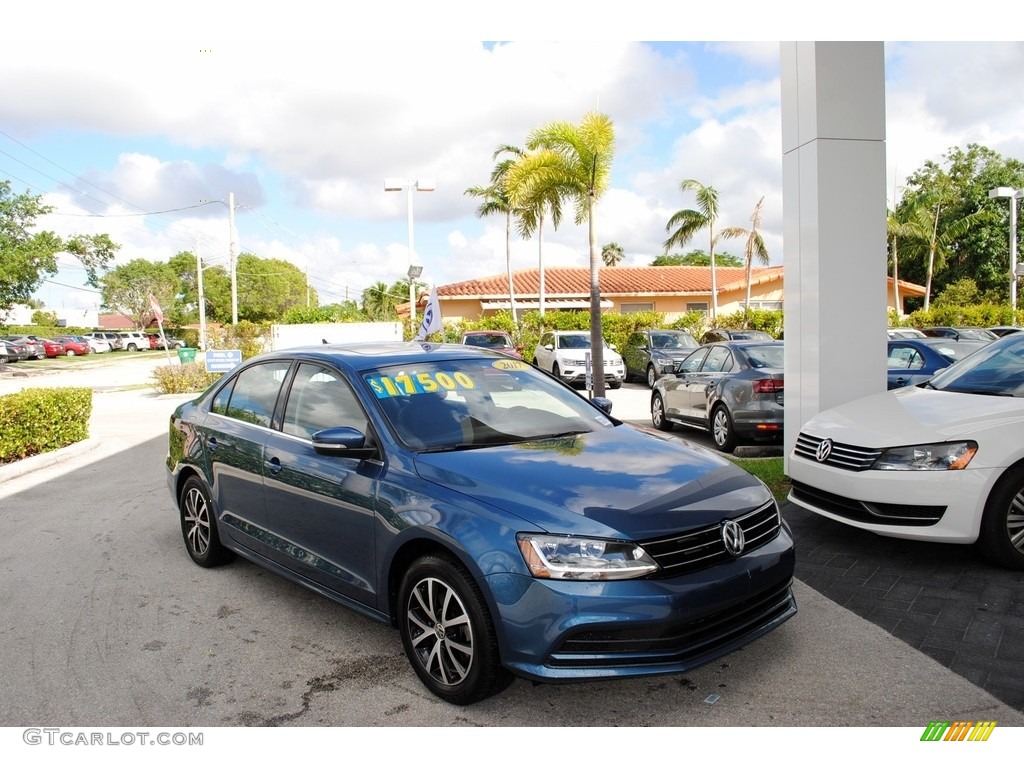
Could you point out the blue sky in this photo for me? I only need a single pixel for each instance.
(126, 128)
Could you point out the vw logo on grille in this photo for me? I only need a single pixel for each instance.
(824, 450)
(732, 537)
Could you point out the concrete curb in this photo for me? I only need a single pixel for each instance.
(40, 461)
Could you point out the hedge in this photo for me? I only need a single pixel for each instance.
(42, 419)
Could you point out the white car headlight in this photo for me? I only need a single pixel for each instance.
(575, 559)
(930, 456)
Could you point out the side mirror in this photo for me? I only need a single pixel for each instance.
(342, 441)
(603, 403)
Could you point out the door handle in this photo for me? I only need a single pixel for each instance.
(274, 465)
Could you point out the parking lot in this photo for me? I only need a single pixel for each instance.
(109, 621)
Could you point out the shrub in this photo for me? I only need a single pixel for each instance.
(42, 419)
(178, 379)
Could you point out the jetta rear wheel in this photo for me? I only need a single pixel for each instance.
(721, 429)
(1002, 528)
(447, 632)
(199, 526)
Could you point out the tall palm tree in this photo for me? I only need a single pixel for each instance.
(379, 302)
(684, 224)
(574, 161)
(612, 254)
(495, 200)
(753, 248)
(536, 204)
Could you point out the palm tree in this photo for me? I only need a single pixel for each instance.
(753, 248)
(378, 301)
(536, 204)
(496, 200)
(685, 223)
(574, 162)
(612, 255)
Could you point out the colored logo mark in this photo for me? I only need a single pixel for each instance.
(958, 730)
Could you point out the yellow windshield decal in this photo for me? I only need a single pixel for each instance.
(419, 383)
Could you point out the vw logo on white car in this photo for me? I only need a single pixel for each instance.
(824, 450)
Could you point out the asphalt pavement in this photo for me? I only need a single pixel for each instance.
(839, 668)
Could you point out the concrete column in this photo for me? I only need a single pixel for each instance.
(834, 250)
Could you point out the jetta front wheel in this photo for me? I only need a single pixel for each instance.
(447, 632)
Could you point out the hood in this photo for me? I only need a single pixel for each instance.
(914, 415)
(619, 482)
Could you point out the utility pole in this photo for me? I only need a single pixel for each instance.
(233, 255)
(202, 298)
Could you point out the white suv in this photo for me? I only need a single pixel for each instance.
(134, 341)
(564, 353)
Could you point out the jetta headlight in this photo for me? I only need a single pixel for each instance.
(574, 559)
(932, 456)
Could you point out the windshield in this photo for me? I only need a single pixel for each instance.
(488, 340)
(994, 369)
(439, 405)
(672, 340)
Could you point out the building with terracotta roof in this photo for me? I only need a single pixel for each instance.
(670, 290)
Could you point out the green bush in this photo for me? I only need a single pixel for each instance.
(42, 419)
(178, 379)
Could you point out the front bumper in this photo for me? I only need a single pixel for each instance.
(555, 630)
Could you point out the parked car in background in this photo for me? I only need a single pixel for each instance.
(4, 354)
(16, 352)
(914, 361)
(734, 334)
(155, 342)
(32, 345)
(960, 334)
(97, 345)
(564, 354)
(652, 353)
(942, 462)
(499, 341)
(1003, 330)
(113, 339)
(731, 389)
(485, 510)
(74, 345)
(905, 333)
(133, 341)
(52, 347)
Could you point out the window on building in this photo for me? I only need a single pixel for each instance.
(640, 306)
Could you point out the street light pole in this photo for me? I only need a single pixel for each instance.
(1014, 195)
(412, 185)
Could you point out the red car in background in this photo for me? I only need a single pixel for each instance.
(74, 345)
(52, 348)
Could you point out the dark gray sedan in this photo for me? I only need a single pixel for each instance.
(652, 353)
(732, 389)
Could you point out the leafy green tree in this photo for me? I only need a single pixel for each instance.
(575, 162)
(42, 317)
(379, 302)
(697, 258)
(344, 312)
(612, 254)
(127, 288)
(685, 223)
(267, 288)
(216, 290)
(968, 229)
(27, 257)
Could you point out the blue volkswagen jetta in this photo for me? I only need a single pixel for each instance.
(503, 523)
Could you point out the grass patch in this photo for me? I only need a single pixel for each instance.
(770, 471)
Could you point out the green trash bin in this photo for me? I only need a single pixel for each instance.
(186, 355)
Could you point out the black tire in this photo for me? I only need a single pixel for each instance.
(652, 376)
(1001, 538)
(69, 352)
(614, 384)
(555, 370)
(722, 432)
(447, 632)
(199, 526)
(658, 417)
(132, 347)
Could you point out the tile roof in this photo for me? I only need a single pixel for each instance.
(630, 281)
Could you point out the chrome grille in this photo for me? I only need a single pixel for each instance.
(704, 547)
(843, 456)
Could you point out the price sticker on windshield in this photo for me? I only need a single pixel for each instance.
(406, 384)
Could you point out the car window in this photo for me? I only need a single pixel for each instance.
(996, 368)
(768, 356)
(255, 393)
(904, 358)
(692, 363)
(319, 399)
(574, 341)
(719, 359)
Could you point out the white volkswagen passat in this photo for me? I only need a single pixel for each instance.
(942, 461)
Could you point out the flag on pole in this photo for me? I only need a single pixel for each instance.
(431, 317)
(157, 312)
